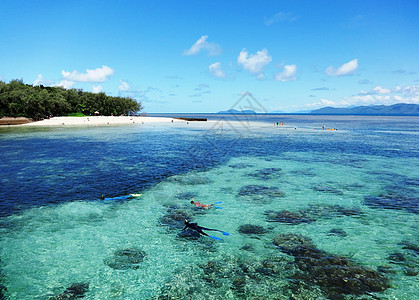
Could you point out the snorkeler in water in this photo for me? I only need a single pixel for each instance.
(205, 206)
(197, 228)
(199, 204)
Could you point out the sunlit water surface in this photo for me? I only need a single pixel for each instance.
(353, 192)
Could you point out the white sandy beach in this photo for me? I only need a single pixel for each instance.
(103, 121)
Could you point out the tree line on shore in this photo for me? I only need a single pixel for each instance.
(18, 99)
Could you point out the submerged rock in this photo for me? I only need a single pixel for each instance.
(267, 173)
(189, 234)
(191, 179)
(186, 195)
(338, 232)
(408, 202)
(386, 269)
(330, 211)
(125, 259)
(175, 217)
(3, 290)
(303, 172)
(410, 246)
(250, 229)
(328, 189)
(288, 243)
(396, 258)
(311, 214)
(336, 275)
(234, 277)
(240, 166)
(76, 290)
(410, 272)
(252, 190)
(247, 247)
(285, 216)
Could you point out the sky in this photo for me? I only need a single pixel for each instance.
(204, 56)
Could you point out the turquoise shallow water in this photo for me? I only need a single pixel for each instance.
(352, 192)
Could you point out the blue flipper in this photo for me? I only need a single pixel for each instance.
(116, 198)
(225, 233)
(218, 207)
(214, 237)
(218, 202)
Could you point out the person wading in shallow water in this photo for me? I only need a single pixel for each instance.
(197, 228)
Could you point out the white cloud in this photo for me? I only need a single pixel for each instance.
(202, 44)
(321, 103)
(97, 88)
(215, 70)
(377, 96)
(288, 74)
(255, 62)
(124, 86)
(375, 91)
(280, 17)
(345, 69)
(381, 90)
(203, 86)
(97, 75)
(67, 84)
(40, 80)
(261, 76)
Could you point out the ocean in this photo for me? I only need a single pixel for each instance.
(311, 213)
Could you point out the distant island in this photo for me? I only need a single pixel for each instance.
(400, 109)
(237, 112)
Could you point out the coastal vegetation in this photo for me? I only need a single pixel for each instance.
(18, 99)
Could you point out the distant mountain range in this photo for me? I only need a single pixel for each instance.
(237, 112)
(400, 109)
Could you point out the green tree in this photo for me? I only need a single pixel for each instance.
(18, 99)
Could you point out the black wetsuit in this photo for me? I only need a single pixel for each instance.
(197, 228)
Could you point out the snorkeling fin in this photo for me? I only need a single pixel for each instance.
(214, 237)
(218, 207)
(218, 202)
(225, 233)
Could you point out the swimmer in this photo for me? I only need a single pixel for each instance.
(197, 228)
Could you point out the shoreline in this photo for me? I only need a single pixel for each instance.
(102, 121)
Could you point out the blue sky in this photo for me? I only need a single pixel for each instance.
(202, 56)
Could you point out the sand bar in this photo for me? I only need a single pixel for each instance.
(102, 121)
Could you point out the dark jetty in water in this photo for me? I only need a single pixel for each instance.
(336, 275)
(192, 119)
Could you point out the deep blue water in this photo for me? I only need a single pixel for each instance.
(55, 165)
